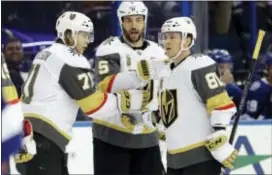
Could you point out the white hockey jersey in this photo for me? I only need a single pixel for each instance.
(58, 84)
(187, 98)
(114, 60)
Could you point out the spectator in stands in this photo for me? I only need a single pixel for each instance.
(221, 15)
(13, 52)
(258, 98)
(224, 61)
(241, 16)
(268, 108)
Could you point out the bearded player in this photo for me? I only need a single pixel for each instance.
(132, 140)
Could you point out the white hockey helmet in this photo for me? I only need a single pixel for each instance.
(184, 25)
(75, 22)
(128, 8)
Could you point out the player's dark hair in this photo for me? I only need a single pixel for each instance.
(10, 40)
(67, 37)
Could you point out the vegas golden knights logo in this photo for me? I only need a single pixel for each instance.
(168, 106)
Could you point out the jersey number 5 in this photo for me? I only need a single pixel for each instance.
(213, 80)
(103, 67)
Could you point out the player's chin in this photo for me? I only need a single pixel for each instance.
(82, 50)
(169, 54)
(134, 38)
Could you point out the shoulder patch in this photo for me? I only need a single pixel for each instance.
(108, 41)
(108, 46)
(43, 55)
(198, 55)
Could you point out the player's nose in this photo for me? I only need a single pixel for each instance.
(167, 42)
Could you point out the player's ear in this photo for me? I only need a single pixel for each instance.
(69, 40)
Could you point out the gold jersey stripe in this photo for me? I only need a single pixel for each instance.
(187, 148)
(38, 116)
(93, 102)
(9, 93)
(218, 101)
(106, 84)
(146, 130)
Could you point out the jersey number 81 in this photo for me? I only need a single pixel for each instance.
(213, 80)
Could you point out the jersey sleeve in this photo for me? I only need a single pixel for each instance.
(210, 88)
(107, 65)
(108, 71)
(235, 93)
(8, 89)
(106, 68)
(77, 83)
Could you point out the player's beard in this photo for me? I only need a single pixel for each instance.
(127, 35)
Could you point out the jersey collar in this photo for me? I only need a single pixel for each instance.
(143, 47)
(173, 66)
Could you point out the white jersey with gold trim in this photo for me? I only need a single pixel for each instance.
(114, 60)
(188, 96)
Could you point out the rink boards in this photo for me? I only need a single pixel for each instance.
(254, 143)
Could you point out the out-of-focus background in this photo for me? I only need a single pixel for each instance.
(227, 25)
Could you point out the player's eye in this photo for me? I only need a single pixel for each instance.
(172, 36)
(164, 37)
(140, 19)
(127, 20)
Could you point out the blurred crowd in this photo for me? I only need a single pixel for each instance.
(229, 32)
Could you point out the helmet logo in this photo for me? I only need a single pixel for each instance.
(132, 8)
(188, 21)
(72, 16)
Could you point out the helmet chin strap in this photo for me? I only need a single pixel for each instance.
(181, 46)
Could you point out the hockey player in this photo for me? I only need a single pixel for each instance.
(195, 108)
(57, 85)
(133, 139)
(225, 65)
(259, 94)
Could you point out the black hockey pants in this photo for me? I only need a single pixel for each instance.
(49, 160)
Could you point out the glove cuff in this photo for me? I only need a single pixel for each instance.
(221, 149)
(130, 101)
